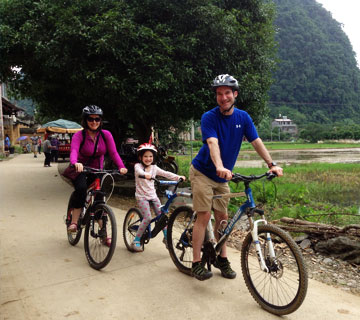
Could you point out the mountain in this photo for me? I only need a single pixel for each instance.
(317, 79)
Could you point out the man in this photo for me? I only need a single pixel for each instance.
(223, 129)
(35, 142)
(55, 150)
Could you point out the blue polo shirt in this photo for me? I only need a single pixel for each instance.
(230, 131)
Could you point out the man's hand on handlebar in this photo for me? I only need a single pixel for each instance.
(224, 173)
(277, 170)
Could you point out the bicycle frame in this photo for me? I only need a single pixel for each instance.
(92, 191)
(171, 195)
(249, 208)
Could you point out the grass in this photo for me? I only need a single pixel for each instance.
(318, 192)
(276, 145)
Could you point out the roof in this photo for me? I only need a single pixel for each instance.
(9, 108)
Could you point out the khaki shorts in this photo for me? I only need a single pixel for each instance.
(203, 189)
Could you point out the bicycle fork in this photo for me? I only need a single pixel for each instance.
(255, 239)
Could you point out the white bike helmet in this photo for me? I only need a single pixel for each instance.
(225, 80)
(146, 147)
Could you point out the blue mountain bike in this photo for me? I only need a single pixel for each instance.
(272, 264)
(133, 217)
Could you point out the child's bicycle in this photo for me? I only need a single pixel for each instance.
(98, 220)
(133, 217)
(272, 264)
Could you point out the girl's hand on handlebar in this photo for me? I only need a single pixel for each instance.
(79, 167)
(182, 177)
(123, 170)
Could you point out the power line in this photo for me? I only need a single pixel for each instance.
(313, 103)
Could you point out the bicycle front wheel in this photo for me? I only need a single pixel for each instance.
(282, 288)
(73, 237)
(100, 237)
(179, 238)
(131, 225)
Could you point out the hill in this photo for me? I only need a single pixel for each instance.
(317, 79)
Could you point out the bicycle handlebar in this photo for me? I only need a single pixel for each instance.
(237, 177)
(163, 182)
(93, 170)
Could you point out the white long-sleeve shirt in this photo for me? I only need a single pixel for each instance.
(145, 189)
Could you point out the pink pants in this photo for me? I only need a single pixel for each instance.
(144, 206)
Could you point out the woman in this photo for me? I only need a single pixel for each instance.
(88, 148)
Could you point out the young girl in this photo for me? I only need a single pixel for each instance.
(145, 193)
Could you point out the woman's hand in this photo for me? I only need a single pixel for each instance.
(147, 176)
(79, 167)
(123, 170)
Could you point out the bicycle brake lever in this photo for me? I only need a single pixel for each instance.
(271, 175)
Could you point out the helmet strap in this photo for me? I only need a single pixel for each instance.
(226, 111)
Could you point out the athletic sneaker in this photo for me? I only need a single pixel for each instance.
(224, 265)
(200, 272)
(137, 247)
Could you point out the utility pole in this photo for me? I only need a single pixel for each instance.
(2, 147)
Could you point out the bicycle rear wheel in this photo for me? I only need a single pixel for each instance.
(131, 225)
(100, 237)
(179, 238)
(283, 288)
(73, 237)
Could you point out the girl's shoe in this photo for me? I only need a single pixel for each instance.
(137, 247)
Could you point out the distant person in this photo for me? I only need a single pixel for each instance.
(145, 193)
(223, 129)
(28, 147)
(55, 150)
(7, 142)
(47, 151)
(39, 145)
(35, 143)
(88, 148)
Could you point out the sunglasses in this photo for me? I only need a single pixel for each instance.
(93, 119)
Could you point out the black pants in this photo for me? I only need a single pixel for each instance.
(47, 158)
(54, 155)
(81, 184)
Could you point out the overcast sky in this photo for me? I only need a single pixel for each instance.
(347, 13)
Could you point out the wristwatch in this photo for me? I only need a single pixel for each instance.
(272, 164)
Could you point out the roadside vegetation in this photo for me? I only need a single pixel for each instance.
(318, 192)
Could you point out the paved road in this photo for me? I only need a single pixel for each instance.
(43, 277)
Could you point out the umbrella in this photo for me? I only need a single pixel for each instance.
(22, 138)
(60, 126)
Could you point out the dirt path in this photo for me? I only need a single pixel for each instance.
(43, 277)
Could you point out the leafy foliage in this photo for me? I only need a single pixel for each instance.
(146, 63)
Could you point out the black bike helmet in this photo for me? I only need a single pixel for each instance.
(225, 80)
(90, 110)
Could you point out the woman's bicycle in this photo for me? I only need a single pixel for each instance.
(272, 264)
(97, 218)
(133, 217)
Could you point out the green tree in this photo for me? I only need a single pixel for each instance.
(147, 63)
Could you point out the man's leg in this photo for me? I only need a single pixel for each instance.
(220, 216)
(198, 235)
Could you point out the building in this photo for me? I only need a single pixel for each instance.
(284, 125)
(13, 119)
